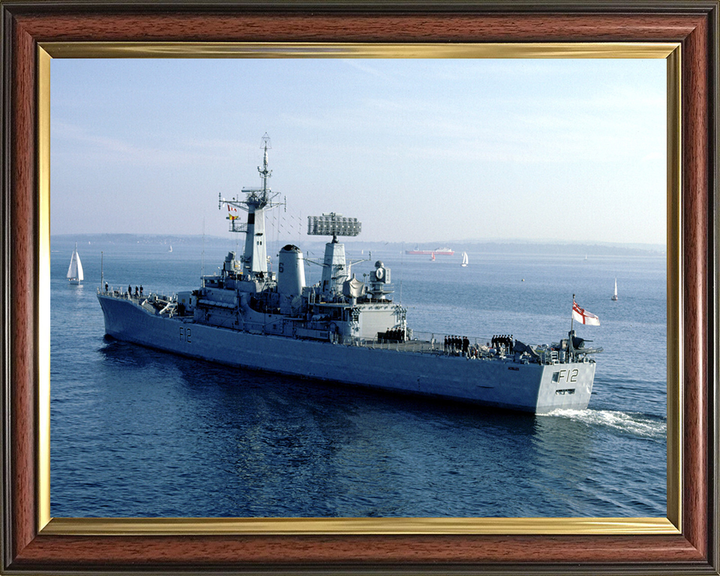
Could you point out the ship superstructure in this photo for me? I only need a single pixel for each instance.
(341, 329)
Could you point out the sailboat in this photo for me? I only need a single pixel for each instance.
(432, 257)
(170, 249)
(615, 296)
(75, 270)
(464, 259)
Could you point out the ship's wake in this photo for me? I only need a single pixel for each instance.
(633, 423)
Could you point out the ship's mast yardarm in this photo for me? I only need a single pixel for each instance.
(257, 200)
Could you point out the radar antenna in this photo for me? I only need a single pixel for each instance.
(336, 270)
(333, 225)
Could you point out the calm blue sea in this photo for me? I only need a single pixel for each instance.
(137, 432)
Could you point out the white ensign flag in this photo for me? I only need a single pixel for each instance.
(583, 316)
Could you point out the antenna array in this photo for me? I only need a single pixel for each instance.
(333, 225)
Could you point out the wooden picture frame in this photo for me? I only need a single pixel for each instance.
(685, 542)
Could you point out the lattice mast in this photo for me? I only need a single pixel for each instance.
(257, 200)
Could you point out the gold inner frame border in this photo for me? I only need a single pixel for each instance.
(670, 51)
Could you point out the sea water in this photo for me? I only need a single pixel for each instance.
(137, 432)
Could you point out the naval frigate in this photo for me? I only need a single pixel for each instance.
(341, 329)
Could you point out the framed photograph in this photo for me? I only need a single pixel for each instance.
(286, 537)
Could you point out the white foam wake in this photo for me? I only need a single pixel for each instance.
(627, 422)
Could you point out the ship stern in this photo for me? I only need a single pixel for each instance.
(565, 387)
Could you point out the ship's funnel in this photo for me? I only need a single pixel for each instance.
(291, 271)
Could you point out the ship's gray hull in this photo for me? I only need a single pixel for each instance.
(530, 387)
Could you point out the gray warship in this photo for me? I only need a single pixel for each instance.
(342, 329)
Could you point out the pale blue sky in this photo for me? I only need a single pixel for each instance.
(418, 150)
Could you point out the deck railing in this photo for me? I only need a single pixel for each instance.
(426, 342)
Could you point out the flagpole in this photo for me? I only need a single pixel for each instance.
(571, 348)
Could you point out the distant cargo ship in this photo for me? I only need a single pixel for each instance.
(437, 252)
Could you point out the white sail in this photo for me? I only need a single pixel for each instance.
(464, 259)
(615, 296)
(80, 275)
(75, 270)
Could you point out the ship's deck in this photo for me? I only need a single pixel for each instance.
(431, 346)
(407, 346)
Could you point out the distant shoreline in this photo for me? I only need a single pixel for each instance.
(472, 246)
